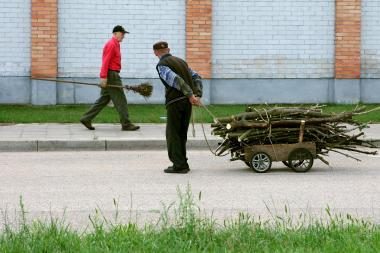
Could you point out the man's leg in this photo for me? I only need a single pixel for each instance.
(174, 136)
(185, 121)
(99, 104)
(120, 101)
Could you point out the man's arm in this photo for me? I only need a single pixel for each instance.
(106, 59)
(197, 80)
(194, 75)
(174, 80)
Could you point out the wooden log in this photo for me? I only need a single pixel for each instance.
(302, 130)
(287, 123)
(218, 125)
(275, 112)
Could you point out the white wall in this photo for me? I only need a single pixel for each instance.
(273, 39)
(370, 53)
(84, 27)
(15, 37)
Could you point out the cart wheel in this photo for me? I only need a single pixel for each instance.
(261, 162)
(286, 164)
(301, 160)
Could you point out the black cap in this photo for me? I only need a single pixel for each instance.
(160, 45)
(119, 28)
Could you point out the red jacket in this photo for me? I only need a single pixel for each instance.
(111, 59)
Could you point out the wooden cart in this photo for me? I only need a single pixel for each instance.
(298, 156)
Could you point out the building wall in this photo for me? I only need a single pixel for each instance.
(370, 50)
(273, 39)
(15, 38)
(278, 51)
(84, 27)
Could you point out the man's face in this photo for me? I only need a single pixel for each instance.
(161, 52)
(119, 36)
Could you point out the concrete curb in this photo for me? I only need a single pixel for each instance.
(18, 146)
(108, 137)
(96, 145)
(106, 145)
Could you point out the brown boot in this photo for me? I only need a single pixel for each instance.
(129, 127)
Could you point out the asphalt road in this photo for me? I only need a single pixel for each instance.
(71, 185)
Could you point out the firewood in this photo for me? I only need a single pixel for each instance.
(281, 125)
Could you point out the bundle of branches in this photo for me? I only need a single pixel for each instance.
(282, 125)
(144, 89)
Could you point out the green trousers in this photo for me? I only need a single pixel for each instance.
(178, 119)
(116, 95)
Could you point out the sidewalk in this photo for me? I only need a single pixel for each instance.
(75, 137)
(69, 137)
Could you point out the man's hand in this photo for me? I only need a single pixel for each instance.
(195, 100)
(103, 82)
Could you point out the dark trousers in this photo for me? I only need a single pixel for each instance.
(178, 119)
(115, 94)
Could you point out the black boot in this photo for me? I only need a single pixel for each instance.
(172, 169)
(87, 124)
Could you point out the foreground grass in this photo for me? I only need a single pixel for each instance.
(138, 113)
(183, 228)
(242, 236)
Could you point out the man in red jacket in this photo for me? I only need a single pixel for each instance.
(109, 75)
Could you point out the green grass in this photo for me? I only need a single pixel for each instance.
(72, 113)
(183, 228)
(138, 113)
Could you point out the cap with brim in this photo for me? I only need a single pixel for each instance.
(119, 28)
(160, 45)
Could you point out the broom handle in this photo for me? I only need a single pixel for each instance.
(193, 120)
(76, 82)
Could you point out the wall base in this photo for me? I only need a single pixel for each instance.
(22, 90)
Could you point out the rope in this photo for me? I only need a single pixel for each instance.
(204, 131)
(213, 116)
(218, 122)
(208, 144)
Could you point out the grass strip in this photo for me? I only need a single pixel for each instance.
(139, 113)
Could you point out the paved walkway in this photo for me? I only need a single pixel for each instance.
(68, 137)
